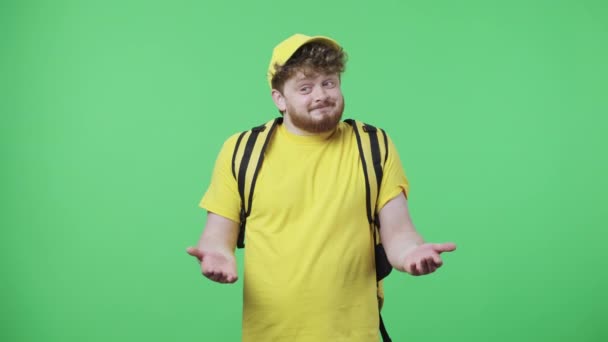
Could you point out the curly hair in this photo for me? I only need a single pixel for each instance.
(310, 58)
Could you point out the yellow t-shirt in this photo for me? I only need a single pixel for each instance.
(309, 263)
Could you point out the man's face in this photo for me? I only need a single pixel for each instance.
(313, 103)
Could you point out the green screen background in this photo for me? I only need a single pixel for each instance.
(113, 113)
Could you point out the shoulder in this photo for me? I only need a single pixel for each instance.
(238, 138)
(349, 125)
(228, 146)
(231, 141)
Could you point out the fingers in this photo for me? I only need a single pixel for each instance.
(413, 269)
(434, 263)
(437, 260)
(426, 258)
(219, 268)
(231, 279)
(195, 253)
(444, 247)
(215, 266)
(220, 277)
(424, 265)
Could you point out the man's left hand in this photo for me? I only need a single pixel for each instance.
(425, 259)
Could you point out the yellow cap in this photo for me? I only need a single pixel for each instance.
(286, 49)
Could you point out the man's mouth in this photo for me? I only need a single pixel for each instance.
(321, 106)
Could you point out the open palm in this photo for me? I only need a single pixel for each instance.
(216, 266)
(426, 258)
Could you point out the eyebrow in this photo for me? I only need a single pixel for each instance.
(305, 78)
(313, 77)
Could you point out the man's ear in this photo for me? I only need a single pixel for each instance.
(279, 100)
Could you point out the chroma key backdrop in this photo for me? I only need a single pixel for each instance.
(113, 112)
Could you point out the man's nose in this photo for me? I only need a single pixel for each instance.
(319, 94)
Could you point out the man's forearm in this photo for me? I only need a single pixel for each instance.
(220, 235)
(397, 232)
(217, 243)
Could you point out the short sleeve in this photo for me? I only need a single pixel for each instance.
(394, 180)
(222, 196)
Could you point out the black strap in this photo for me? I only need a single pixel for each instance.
(383, 267)
(253, 137)
(385, 145)
(260, 160)
(241, 180)
(236, 148)
(241, 183)
(383, 332)
(376, 160)
(370, 214)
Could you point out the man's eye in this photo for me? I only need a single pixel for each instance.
(329, 84)
(305, 89)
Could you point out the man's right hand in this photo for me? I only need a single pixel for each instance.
(216, 266)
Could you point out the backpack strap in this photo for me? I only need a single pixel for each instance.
(371, 149)
(373, 146)
(251, 154)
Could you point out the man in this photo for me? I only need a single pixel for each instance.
(309, 263)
